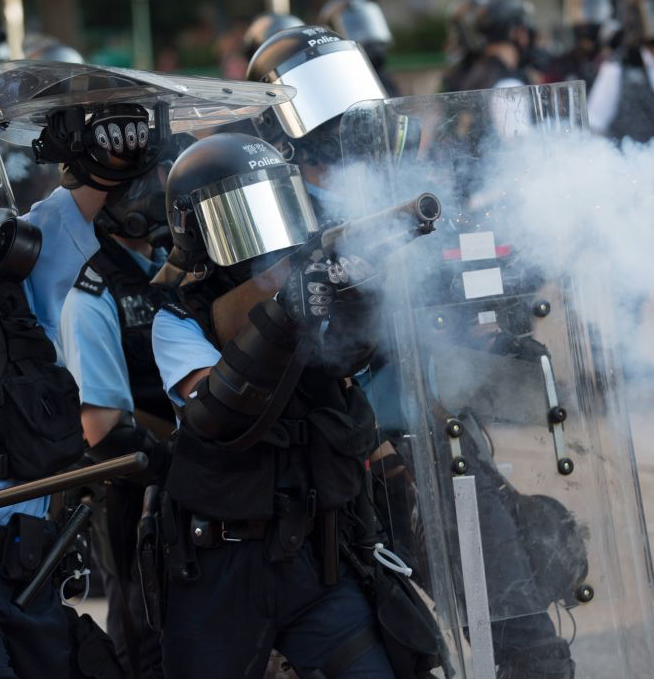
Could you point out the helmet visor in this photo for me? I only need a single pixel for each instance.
(326, 87)
(254, 213)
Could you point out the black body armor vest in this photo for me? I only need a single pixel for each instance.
(40, 423)
(311, 459)
(113, 268)
(635, 116)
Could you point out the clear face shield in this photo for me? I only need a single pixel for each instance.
(327, 84)
(254, 213)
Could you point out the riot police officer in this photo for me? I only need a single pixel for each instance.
(272, 442)
(40, 434)
(621, 101)
(309, 135)
(64, 225)
(105, 337)
(30, 181)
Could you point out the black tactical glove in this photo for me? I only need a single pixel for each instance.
(350, 338)
(307, 294)
(112, 144)
(344, 292)
(129, 437)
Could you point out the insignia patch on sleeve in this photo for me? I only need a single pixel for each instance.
(90, 281)
(176, 309)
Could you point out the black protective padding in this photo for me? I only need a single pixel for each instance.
(241, 384)
(349, 341)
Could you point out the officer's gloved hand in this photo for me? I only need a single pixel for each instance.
(111, 145)
(127, 436)
(349, 340)
(159, 458)
(307, 293)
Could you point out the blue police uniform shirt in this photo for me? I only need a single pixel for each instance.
(180, 347)
(68, 241)
(91, 342)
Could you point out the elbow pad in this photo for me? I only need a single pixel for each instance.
(240, 385)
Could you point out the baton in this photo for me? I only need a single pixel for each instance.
(66, 538)
(94, 473)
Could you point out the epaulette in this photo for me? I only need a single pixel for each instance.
(90, 281)
(176, 309)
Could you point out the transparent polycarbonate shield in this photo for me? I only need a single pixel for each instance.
(498, 384)
(29, 89)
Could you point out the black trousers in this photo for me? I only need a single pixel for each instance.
(124, 593)
(35, 643)
(224, 624)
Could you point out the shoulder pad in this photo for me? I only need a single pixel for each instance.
(90, 281)
(176, 309)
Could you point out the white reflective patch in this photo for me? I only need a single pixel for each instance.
(482, 283)
(477, 246)
(487, 317)
(116, 137)
(142, 134)
(101, 137)
(92, 275)
(130, 136)
(253, 149)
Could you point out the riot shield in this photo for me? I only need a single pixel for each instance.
(499, 386)
(29, 89)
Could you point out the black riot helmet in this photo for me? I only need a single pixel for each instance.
(497, 20)
(232, 196)
(329, 73)
(263, 27)
(360, 20)
(138, 210)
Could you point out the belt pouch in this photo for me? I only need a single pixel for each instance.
(23, 548)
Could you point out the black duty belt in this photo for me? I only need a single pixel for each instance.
(209, 533)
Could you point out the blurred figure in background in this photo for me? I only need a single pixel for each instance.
(621, 102)
(508, 29)
(30, 181)
(586, 19)
(364, 22)
(463, 44)
(232, 63)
